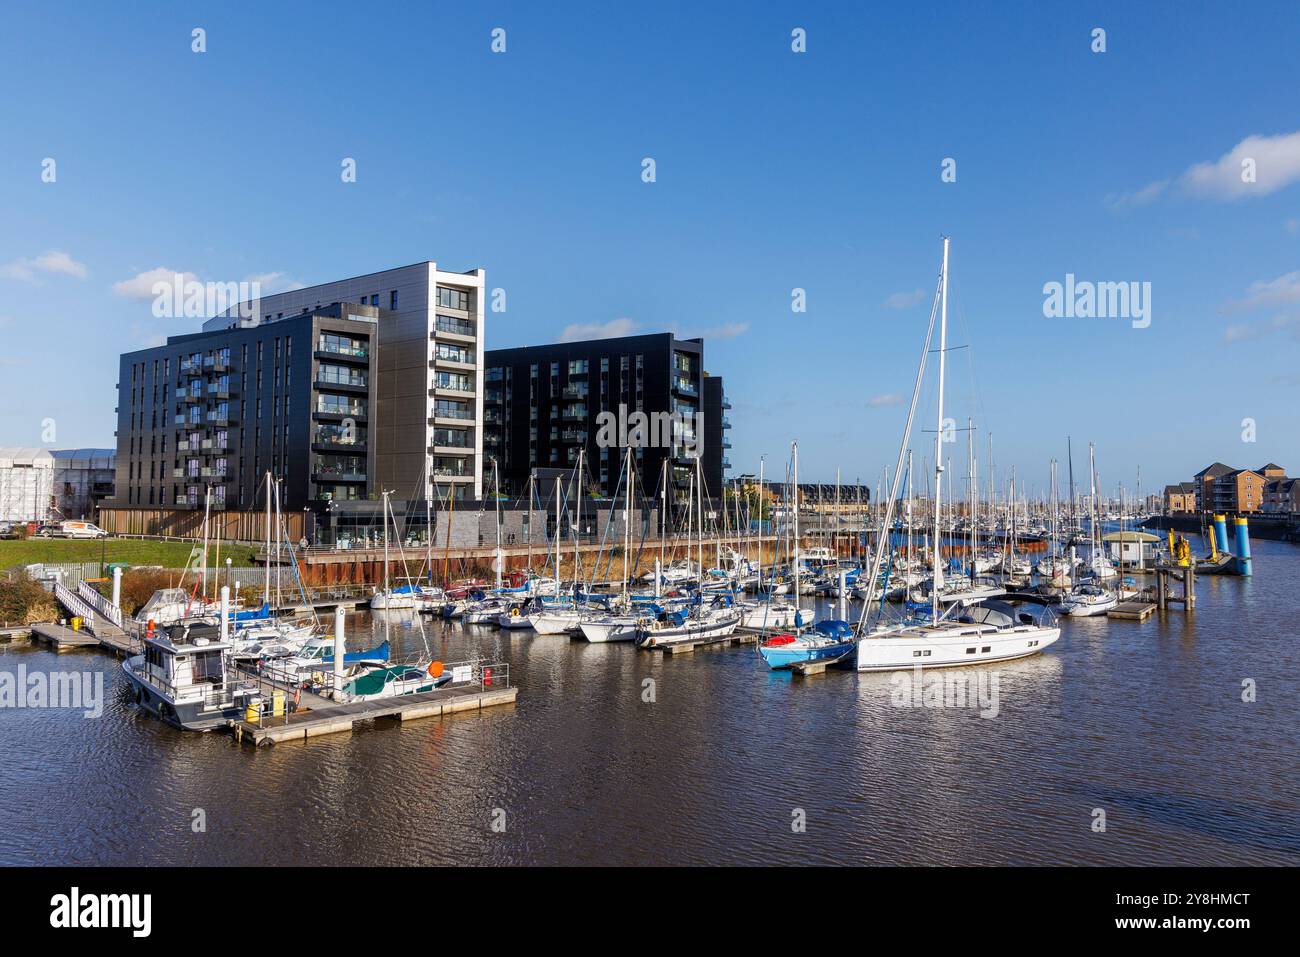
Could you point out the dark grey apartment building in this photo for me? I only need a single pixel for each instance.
(220, 409)
(339, 390)
(544, 403)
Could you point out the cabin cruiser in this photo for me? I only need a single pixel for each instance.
(182, 678)
(1087, 600)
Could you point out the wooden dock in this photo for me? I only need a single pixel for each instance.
(1132, 610)
(61, 637)
(302, 725)
(741, 636)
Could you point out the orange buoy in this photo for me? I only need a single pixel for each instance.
(435, 669)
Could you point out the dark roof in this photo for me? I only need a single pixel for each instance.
(1270, 467)
(1214, 471)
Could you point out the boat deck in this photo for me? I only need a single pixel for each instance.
(302, 725)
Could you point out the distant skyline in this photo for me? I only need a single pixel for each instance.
(822, 177)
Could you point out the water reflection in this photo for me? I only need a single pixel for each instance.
(1144, 720)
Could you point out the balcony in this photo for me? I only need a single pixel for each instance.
(189, 397)
(453, 361)
(321, 444)
(331, 351)
(354, 385)
(574, 413)
(451, 391)
(336, 413)
(573, 437)
(575, 391)
(726, 422)
(455, 328)
(685, 387)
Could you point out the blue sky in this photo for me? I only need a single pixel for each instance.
(775, 170)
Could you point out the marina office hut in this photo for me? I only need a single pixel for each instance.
(1132, 549)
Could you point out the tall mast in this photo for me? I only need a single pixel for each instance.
(937, 570)
(577, 518)
(496, 492)
(627, 518)
(794, 453)
(266, 590)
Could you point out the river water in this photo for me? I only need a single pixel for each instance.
(729, 763)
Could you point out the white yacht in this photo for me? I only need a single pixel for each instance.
(972, 630)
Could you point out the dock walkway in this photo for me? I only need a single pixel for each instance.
(302, 725)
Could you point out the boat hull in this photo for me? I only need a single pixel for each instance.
(892, 653)
(784, 656)
(187, 716)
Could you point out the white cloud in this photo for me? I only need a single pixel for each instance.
(274, 282)
(889, 398)
(140, 286)
(730, 330)
(904, 300)
(1245, 331)
(1275, 161)
(1147, 194)
(55, 262)
(1283, 290)
(598, 330)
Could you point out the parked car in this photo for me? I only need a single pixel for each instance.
(71, 530)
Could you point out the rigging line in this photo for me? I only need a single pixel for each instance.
(885, 519)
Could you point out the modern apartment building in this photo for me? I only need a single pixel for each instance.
(340, 390)
(545, 403)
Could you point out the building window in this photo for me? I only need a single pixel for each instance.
(453, 299)
(392, 299)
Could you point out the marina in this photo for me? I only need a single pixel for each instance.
(1129, 684)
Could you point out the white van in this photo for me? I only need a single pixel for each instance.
(79, 530)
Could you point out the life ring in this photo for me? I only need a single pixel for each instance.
(514, 612)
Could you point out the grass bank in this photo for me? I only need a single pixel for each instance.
(132, 551)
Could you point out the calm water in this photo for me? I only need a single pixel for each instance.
(1143, 720)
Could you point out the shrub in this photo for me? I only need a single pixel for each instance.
(25, 602)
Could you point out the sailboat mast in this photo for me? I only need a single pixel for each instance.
(496, 492)
(266, 589)
(937, 570)
(794, 452)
